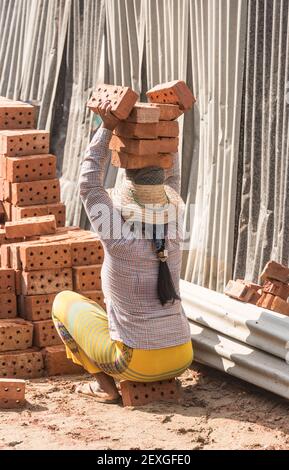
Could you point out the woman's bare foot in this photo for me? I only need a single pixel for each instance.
(103, 389)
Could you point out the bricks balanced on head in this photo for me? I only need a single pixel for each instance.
(148, 132)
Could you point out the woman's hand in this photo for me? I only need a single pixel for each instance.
(109, 121)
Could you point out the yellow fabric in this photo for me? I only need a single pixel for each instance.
(83, 327)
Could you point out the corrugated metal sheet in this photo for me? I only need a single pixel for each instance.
(263, 231)
(240, 360)
(244, 322)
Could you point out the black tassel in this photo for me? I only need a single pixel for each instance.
(166, 289)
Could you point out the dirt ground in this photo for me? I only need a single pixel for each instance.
(218, 412)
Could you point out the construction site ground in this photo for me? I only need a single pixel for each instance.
(218, 412)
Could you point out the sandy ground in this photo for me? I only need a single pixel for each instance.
(218, 412)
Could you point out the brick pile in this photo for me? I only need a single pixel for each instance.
(272, 292)
(148, 133)
(33, 271)
(28, 183)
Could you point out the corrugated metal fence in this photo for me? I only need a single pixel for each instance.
(234, 146)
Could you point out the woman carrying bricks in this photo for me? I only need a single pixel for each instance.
(144, 336)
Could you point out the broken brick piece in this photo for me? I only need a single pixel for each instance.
(12, 393)
(7, 280)
(8, 306)
(243, 291)
(95, 296)
(46, 281)
(122, 99)
(175, 92)
(30, 168)
(86, 277)
(144, 146)
(277, 288)
(45, 256)
(31, 226)
(144, 113)
(16, 115)
(56, 362)
(24, 142)
(142, 393)
(168, 112)
(45, 334)
(15, 334)
(86, 252)
(277, 271)
(132, 162)
(36, 307)
(35, 192)
(25, 364)
(58, 210)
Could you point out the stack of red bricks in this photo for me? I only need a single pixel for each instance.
(272, 294)
(148, 132)
(33, 272)
(28, 183)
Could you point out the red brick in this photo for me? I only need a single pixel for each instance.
(175, 92)
(5, 190)
(141, 393)
(15, 334)
(56, 362)
(16, 115)
(26, 364)
(130, 161)
(12, 393)
(36, 307)
(144, 113)
(86, 277)
(4, 240)
(8, 306)
(24, 142)
(168, 112)
(277, 271)
(45, 256)
(7, 211)
(265, 301)
(57, 209)
(30, 226)
(122, 99)
(7, 280)
(46, 282)
(276, 288)
(18, 281)
(132, 130)
(95, 296)
(144, 146)
(45, 334)
(30, 168)
(280, 305)
(86, 252)
(168, 129)
(35, 192)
